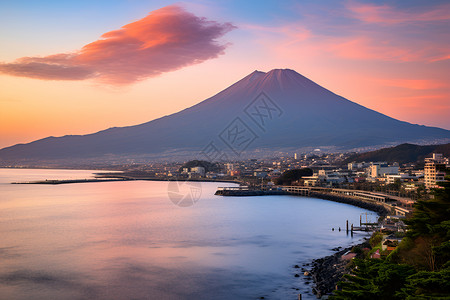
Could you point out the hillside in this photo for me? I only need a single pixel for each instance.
(404, 153)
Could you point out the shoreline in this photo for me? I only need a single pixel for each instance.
(327, 271)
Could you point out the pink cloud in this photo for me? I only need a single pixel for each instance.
(293, 32)
(441, 57)
(362, 48)
(385, 14)
(167, 39)
(413, 84)
(365, 48)
(419, 41)
(424, 107)
(386, 34)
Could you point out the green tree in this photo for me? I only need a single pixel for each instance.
(427, 285)
(292, 175)
(374, 279)
(429, 228)
(375, 239)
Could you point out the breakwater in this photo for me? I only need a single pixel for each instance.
(378, 207)
(109, 178)
(245, 192)
(68, 181)
(361, 199)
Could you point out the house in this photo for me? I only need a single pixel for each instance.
(376, 254)
(348, 256)
(260, 173)
(314, 180)
(390, 242)
(198, 170)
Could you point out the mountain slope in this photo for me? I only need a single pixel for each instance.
(404, 153)
(298, 113)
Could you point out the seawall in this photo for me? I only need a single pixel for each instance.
(380, 208)
(377, 207)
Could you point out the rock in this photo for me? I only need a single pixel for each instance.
(327, 271)
(296, 275)
(296, 266)
(306, 273)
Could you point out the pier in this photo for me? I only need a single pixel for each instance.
(246, 191)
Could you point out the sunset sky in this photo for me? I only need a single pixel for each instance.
(77, 67)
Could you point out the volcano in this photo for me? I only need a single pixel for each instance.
(272, 111)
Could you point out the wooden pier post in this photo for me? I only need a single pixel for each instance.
(299, 296)
(360, 221)
(347, 226)
(352, 230)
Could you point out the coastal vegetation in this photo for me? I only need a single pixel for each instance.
(419, 268)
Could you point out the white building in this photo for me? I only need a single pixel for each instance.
(198, 170)
(381, 169)
(353, 166)
(390, 179)
(314, 180)
(324, 176)
(435, 170)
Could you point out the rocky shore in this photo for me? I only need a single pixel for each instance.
(326, 272)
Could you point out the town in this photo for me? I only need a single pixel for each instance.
(400, 184)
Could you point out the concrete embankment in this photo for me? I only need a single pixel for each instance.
(379, 208)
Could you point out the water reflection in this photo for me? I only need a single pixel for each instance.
(115, 240)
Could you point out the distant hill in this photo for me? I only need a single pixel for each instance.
(404, 153)
(272, 111)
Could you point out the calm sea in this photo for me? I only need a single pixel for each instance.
(128, 240)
